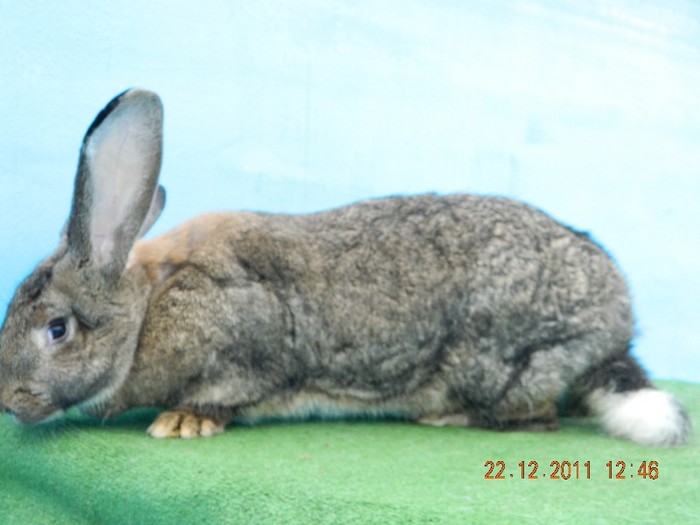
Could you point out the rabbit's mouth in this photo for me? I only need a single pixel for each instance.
(28, 407)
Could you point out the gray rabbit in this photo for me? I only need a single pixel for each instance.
(459, 310)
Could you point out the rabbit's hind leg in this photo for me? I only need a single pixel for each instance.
(517, 389)
(447, 420)
(541, 420)
(545, 420)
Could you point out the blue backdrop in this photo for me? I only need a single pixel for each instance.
(588, 109)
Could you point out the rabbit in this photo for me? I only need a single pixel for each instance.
(463, 310)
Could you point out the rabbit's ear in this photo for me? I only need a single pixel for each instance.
(115, 198)
(157, 205)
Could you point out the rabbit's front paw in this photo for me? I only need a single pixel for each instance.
(182, 423)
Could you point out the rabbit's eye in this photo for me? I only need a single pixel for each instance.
(57, 330)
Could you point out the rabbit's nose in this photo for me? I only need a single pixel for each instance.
(4, 409)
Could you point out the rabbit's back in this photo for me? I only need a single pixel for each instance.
(411, 285)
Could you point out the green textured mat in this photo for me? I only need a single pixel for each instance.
(85, 472)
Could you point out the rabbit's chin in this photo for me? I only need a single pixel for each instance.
(35, 418)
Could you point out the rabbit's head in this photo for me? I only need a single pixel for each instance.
(71, 329)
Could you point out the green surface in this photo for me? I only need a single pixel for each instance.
(85, 472)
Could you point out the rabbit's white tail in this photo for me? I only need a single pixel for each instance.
(619, 393)
(646, 416)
